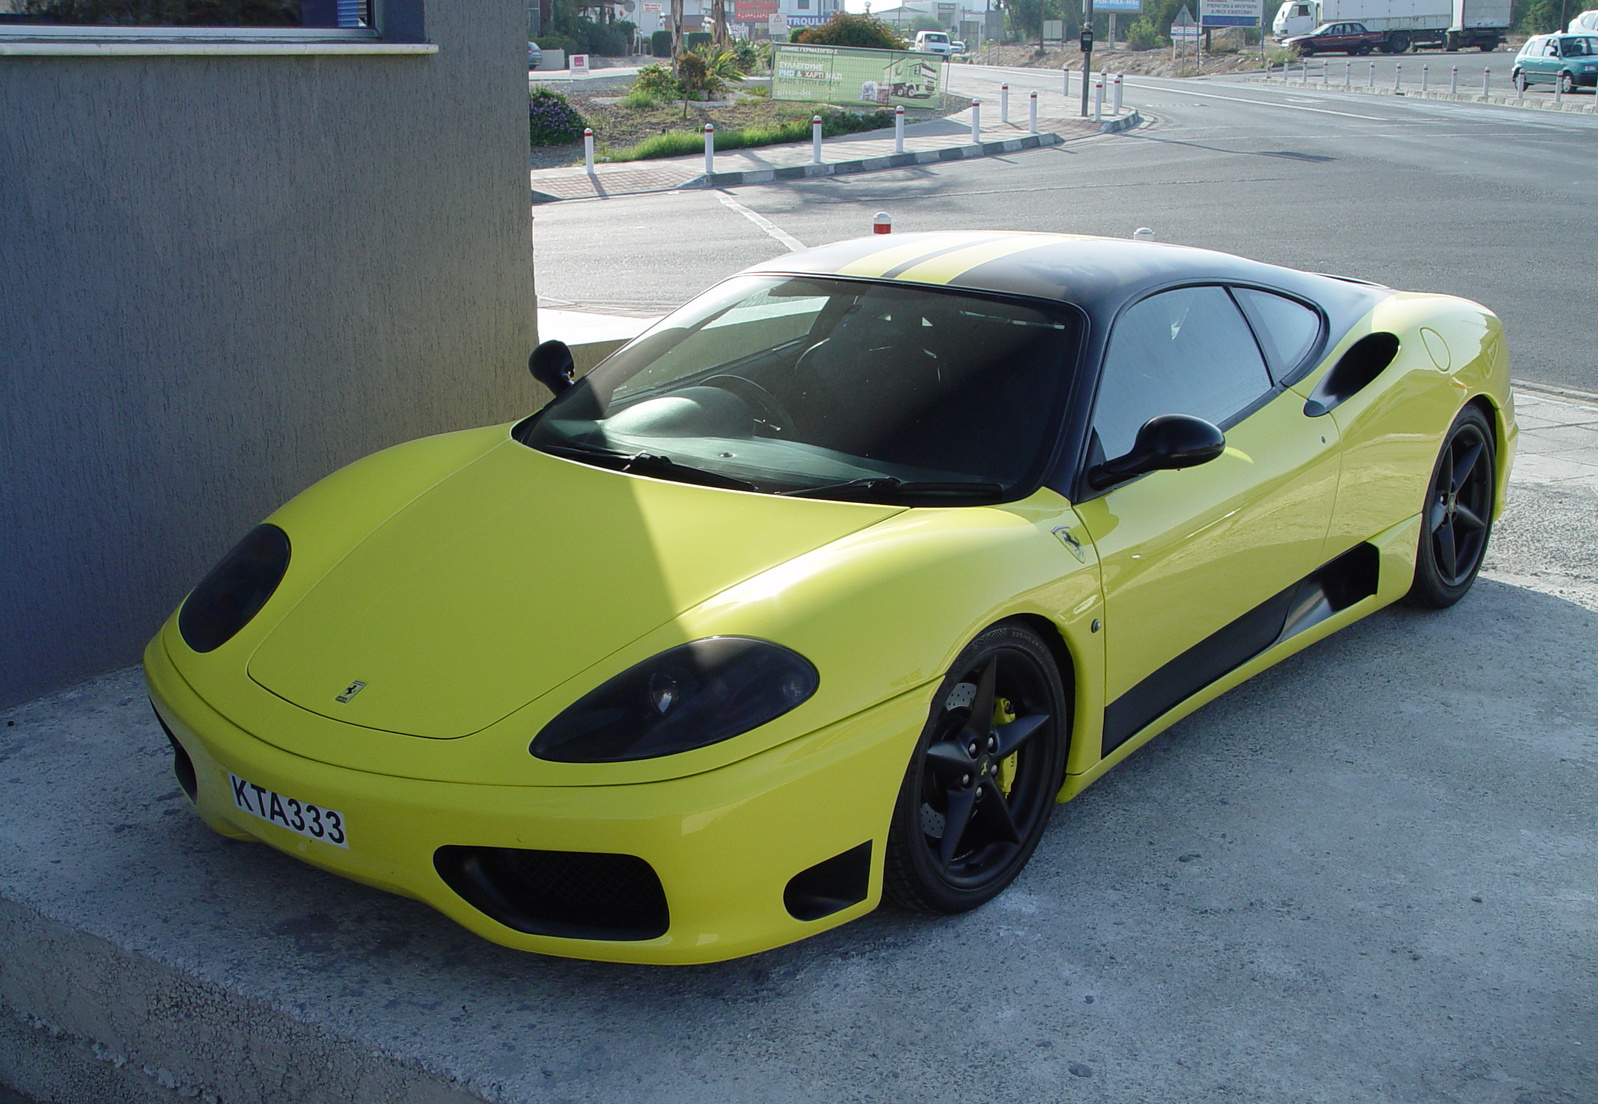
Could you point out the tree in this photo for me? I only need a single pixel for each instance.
(718, 14)
(845, 29)
(676, 33)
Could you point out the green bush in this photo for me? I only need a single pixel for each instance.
(660, 44)
(559, 42)
(656, 82)
(551, 120)
(846, 29)
(1143, 35)
(693, 40)
(680, 143)
(696, 76)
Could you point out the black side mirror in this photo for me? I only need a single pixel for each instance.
(551, 365)
(1164, 443)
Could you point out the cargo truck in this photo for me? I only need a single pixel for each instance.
(1442, 24)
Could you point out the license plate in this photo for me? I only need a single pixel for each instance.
(313, 821)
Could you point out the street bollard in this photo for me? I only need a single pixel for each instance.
(1326, 73)
(588, 148)
(1453, 82)
(1398, 76)
(1267, 70)
(1486, 74)
(710, 148)
(1098, 99)
(1348, 72)
(1004, 104)
(1143, 233)
(1115, 104)
(1032, 113)
(1559, 95)
(815, 139)
(976, 121)
(882, 223)
(1065, 80)
(1423, 72)
(1371, 83)
(898, 129)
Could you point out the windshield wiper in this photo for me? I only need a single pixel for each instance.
(647, 463)
(892, 487)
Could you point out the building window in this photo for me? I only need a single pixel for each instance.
(154, 16)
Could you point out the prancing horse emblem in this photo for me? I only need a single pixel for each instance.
(350, 691)
(1064, 533)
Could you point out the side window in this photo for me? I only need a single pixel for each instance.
(1186, 351)
(1289, 330)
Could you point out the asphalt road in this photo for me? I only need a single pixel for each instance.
(1492, 203)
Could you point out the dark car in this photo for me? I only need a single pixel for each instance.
(535, 56)
(1331, 38)
(1565, 60)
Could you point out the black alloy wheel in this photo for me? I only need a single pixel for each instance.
(1458, 516)
(984, 777)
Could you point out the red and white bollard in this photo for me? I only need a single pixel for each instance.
(882, 223)
(976, 120)
(1032, 113)
(1004, 103)
(588, 148)
(1453, 82)
(1486, 75)
(1115, 103)
(710, 148)
(1372, 82)
(1424, 70)
(815, 139)
(1098, 98)
(898, 130)
(1065, 80)
(1398, 76)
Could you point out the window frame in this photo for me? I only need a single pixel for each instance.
(396, 29)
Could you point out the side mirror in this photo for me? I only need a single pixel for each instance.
(1164, 443)
(551, 365)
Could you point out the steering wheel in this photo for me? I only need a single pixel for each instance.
(769, 409)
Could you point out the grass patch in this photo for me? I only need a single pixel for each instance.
(680, 143)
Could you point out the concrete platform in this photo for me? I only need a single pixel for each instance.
(1369, 874)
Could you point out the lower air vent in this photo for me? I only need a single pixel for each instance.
(569, 894)
(830, 886)
(182, 765)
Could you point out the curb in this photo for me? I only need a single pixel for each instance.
(1570, 105)
(876, 164)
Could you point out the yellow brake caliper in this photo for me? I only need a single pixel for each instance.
(1003, 714)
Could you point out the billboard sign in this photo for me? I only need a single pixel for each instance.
(844, 75)
(1229, 13)
(753, 11)
(1120, 5)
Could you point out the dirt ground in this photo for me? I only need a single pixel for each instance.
(1154, 63)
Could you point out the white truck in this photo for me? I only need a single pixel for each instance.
(1444, 24)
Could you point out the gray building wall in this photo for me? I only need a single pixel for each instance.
(224, 277)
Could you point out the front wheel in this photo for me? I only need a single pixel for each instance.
(1364, 49)
(984, 776)
(1458, 515)
(1567, 84)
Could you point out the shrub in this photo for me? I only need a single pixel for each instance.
(559, 42)
(551, 120)
(693, 40)
(1142, 35)
(846, 29)
(656, 82)
(660, 44)
(695, 75)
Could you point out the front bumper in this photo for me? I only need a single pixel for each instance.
(726, 844)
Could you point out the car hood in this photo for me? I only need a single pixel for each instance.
(515, 574)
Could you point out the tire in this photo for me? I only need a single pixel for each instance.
(1003, 792)
(1306, 51)
(1488, 47)
(1397, 43)
(1567, 84)
(1457, 518)
(1364, 49)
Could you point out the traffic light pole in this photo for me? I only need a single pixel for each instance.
(1087, 52)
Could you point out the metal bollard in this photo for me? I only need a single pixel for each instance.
(1348, 72)
(1032, 113)
(1098, 99)
(1267, 69)
(1398, 76)
(1423, 71)
(1143, 233)
(898, 129)
(976, 120)
(1559, 95)
(1115, 103)
(1372, 82)
(882, 223)
(1326, 73)
(1065, 80)
(815, 139)
(588, 148)
(710, 148)
(1453, 82)
(1004, 103)
(1486, 74)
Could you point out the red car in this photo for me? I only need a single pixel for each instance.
(1331, 38)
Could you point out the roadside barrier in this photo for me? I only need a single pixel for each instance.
(588, 148)
(1398, 76)
(1423, 71)
(882, 223)
(1453, 81)
(1486, 75)
(976, 120)
(898, 130)
(1098, 98)
(1115, 102)
(815, 139)
(1032, 113)
(1004, 103)
(710, 148)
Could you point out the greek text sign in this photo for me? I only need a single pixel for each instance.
(1229, 13)
(843, 75)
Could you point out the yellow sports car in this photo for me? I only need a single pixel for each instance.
(830, 585)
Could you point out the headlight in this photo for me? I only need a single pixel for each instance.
(235, 590)
(687, 697)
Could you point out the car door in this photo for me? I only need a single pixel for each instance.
(1198, 564)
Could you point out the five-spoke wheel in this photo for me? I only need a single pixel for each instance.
(1458, 515)
(984, 777)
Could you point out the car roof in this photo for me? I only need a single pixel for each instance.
(1100, 275)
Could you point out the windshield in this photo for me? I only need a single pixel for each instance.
(831, 388)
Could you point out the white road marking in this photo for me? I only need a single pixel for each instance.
(793, 244)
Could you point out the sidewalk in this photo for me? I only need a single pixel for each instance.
(945, 139)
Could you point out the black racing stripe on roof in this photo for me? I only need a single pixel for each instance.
(899, 270)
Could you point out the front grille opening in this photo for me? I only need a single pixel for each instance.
(569, 894)
(830, 886)
(182, 765)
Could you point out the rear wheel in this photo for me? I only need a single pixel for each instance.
(1397, 43)
(1567, 84)
(1458, 516)
(983, 780)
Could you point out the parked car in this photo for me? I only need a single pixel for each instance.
(829, 585)
(1331, 38)
(957, 47)
(933, 42)
(535, 56)
(1567, 61)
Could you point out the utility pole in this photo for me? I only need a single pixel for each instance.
(1087, 52)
